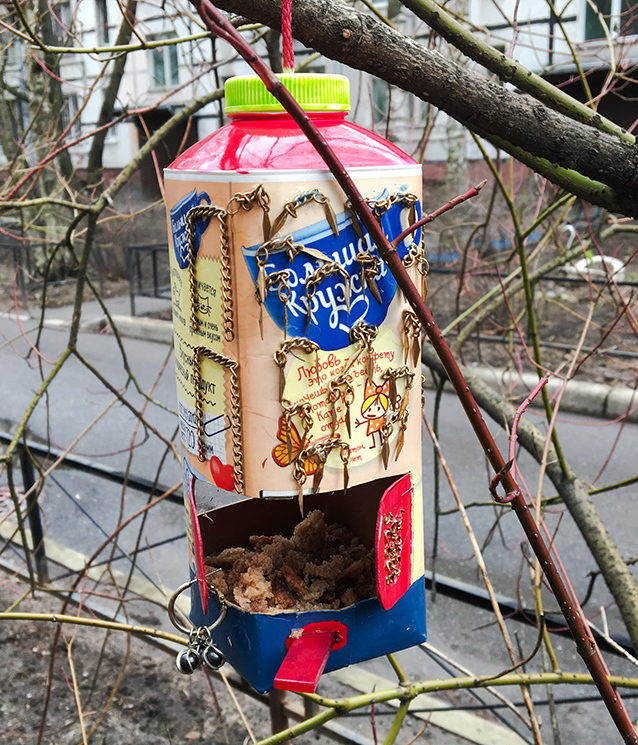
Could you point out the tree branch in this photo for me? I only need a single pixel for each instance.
(510, 70)
(94, 167)
(523, 125)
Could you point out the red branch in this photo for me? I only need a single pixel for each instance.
(519, 413)
(217, 24)
(473, 192)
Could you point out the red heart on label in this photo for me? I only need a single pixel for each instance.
(223, 476)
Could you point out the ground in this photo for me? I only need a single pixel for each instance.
(58, 294)
(561, 313)
(152, 704)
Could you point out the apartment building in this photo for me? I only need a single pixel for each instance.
(578, 47)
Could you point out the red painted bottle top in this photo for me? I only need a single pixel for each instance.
(274, 141)
(271, 139)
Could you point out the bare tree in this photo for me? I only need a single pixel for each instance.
(568, 152)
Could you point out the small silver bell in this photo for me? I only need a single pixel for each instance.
(187, 661)
(211, 656)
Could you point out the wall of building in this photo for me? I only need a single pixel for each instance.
(158, 82)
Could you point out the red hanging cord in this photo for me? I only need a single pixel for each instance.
(286, 36)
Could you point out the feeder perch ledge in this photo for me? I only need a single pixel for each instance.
(307, 656)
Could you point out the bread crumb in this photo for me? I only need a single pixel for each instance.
(319, 567)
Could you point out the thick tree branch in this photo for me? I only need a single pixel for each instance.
(94, 168)
(521, 124)
(509, 70)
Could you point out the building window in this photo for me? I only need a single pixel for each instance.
(620, 17)
(69, 114)
(101, 23)
(165, 64)
(628, 21)
(62, 22)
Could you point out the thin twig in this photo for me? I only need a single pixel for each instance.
(532, 723)
(60, 618)
(469, 194)
(427, 647)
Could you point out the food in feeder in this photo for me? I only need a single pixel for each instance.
(320, 567)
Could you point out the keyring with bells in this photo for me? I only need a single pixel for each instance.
(200, 650)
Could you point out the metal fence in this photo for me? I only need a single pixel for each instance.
(148, 271)
(15, 258)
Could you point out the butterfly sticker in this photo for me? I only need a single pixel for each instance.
(289, 446)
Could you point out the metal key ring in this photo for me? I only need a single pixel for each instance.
(179, 591)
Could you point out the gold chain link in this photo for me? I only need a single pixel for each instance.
(246, 201)
(203, 212)
(235, 417)
(298, 342)
(290, 210)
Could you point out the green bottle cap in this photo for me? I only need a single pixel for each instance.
(313, 92)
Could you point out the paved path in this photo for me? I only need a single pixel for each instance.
(79, 509)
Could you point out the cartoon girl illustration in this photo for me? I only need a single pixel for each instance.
(376, 401)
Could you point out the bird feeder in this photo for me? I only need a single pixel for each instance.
(298, 370)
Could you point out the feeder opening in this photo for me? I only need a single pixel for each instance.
(319, 567)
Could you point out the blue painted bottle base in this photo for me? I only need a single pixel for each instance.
(255, 643)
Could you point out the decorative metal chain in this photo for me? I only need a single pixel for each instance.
(411, 337)
(334, 388)
(380, 206)
(340, 388)
(370, 265)
(318, 276)
(203, 212)
(235, 417)
(246, 201)
(281, 357)
(424, 270)
(416, 257)
(274, 245)
(318, 452)
(292, 249)
(363, 334)
(298, 342)
(265, 282)
(368, 259)
(392, 415)
(227, 284)
(303, 410)
(290, 210)
(281, 278)
(395, 373)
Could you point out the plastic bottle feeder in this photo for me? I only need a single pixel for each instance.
(298, 380)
